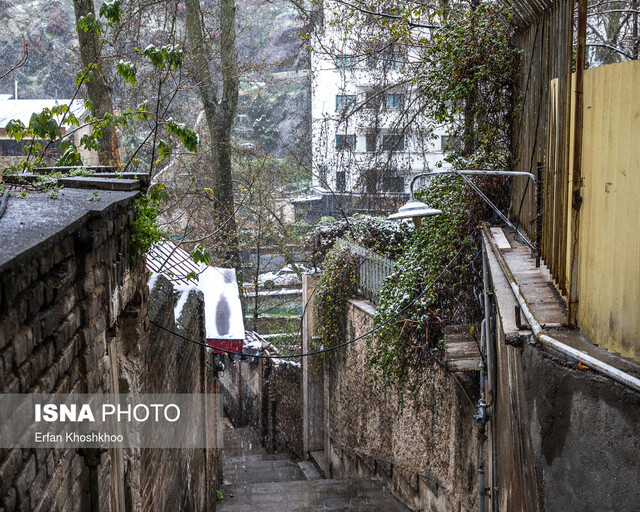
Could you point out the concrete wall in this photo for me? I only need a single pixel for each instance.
(425, 453)
(565, 438)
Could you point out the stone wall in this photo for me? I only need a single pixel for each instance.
(64, 306)
(284, 417)
(424, 453)
(184, 479)
(267, 396)
(74, 319)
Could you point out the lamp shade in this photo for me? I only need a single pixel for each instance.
(414, 209)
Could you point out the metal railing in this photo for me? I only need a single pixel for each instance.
(373, 269)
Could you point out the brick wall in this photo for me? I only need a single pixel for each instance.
(74, 318)
(183, 479)
(62, 306)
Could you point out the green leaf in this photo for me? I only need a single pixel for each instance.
(89, 22)
(112, 11)
(164, 150)
(127, 70)
(16, 129)
(158, 194)
(188, 136)
(200, 255)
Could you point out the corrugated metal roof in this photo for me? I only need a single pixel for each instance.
(223, 310)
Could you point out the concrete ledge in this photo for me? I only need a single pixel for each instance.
(363, 305)
(37, 218)
(99, 183)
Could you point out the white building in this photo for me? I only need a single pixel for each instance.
(368, 135)
(12, 151)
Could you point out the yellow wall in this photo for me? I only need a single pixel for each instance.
(609, 243)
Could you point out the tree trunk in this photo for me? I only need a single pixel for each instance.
(219, 116)
(98, 90)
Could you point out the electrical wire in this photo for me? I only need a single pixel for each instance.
(328, 349)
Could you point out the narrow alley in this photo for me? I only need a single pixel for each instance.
(255, 481)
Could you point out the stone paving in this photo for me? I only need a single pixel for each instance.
(255, 481)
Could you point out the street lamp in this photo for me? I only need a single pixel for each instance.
(416, 210)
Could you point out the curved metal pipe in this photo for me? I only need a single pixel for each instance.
(463, 173)
(545, 339)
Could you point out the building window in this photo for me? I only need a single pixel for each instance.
(371, 141)
(346, 142)
(322, 174)
(394, 101)
(394, 57)
(345, 101)
(341, 181)
(371, 99)
(393, 142)
(392, 184)
(346, 62)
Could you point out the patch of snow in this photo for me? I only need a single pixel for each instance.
(152, 280)
(184, 291)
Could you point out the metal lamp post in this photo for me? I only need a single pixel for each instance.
(416, 210)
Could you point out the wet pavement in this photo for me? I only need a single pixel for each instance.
(255, 481)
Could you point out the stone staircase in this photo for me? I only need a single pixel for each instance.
(255, 481)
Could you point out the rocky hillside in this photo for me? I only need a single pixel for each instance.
(268, 45)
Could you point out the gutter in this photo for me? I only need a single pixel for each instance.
(536, 328)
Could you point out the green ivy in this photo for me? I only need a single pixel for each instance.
(145, 229)
(405, 344)
(337, 284)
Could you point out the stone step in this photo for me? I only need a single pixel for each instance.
(256, 457)
(317, 458)
(310, 495)
(260, 471)
(310, 471)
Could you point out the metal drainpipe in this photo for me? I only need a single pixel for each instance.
(487, 344)
(92, 458)
(536, 328)
(481, 418)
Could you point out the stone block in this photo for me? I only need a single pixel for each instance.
(36, 295)
(66, 357)
(10, 469)
(11, 385)
(25, 378)
(26, 478)
(10, 500)
(9, 326)
(36, 331)
(22, 345)
(47, 379)
(66, 331)
(37, 487)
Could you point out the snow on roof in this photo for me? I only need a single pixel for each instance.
(222, 307)
(23, 109)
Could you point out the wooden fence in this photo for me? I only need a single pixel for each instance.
(607, 257)
(542, 132)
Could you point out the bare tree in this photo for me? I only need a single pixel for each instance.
(219, 113)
